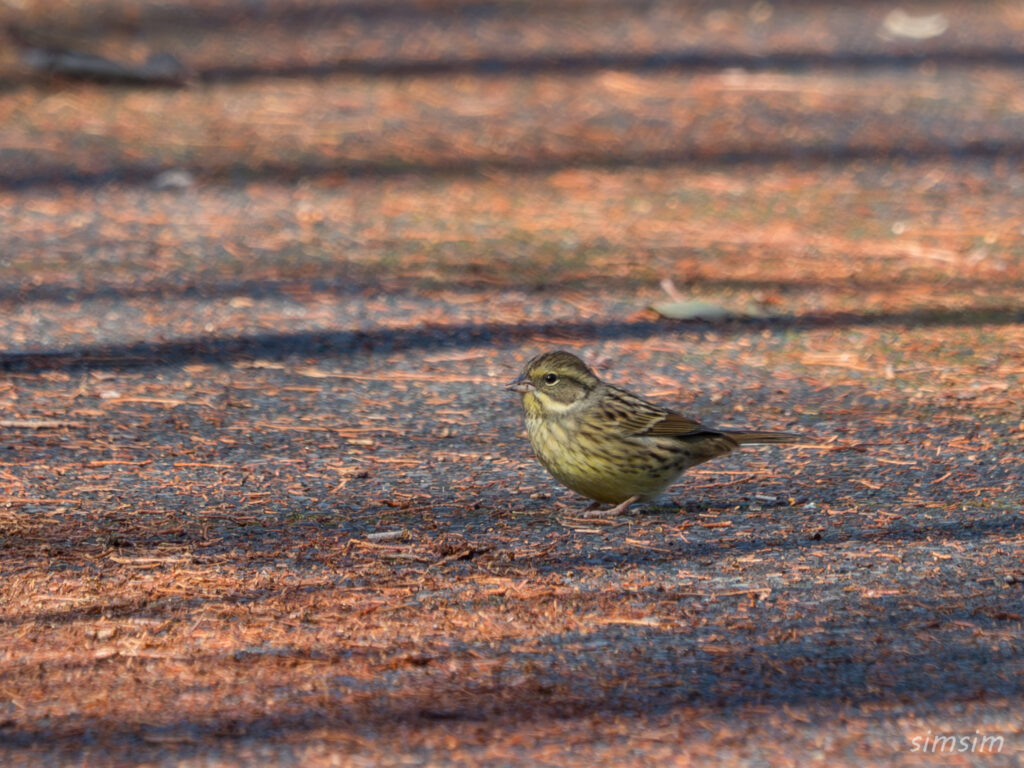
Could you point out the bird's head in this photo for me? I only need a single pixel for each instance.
(554, 382)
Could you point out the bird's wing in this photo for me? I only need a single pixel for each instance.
(677, 426)
(635, 416)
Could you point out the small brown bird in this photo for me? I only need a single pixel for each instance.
(609, 444)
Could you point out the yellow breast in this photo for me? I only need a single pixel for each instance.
(604, 468)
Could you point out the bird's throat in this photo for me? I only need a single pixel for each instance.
(538, 404)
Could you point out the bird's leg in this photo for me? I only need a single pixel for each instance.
(561, 506)
(615, 511)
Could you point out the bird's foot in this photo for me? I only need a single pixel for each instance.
(615, 511)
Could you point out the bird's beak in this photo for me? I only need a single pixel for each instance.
(520, 385)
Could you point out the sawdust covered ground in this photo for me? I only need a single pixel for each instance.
(263, 499)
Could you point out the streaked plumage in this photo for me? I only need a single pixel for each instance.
(608, 444)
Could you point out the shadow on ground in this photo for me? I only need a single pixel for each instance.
(897, 654)
(237, 171)
(276, 346)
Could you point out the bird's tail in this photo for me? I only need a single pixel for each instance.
(763, 438)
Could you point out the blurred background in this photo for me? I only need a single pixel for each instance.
(212, 167)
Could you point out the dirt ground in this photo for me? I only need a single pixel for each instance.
(264, 500)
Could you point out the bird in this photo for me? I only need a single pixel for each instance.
(611, 445)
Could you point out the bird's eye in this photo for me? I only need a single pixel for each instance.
(550, 378)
